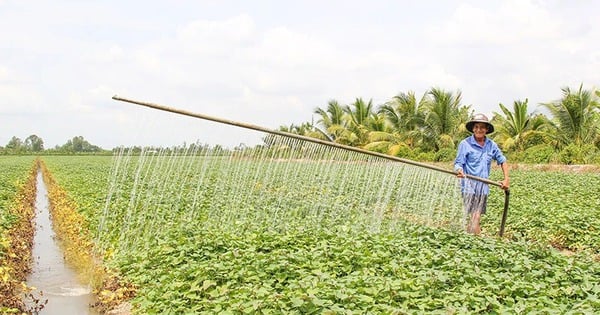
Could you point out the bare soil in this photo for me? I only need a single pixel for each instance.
(581, 168)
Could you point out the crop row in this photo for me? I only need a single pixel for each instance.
(15, 171)
(556, 208)
(17, 196)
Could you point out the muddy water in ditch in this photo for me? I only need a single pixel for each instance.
(50, 274)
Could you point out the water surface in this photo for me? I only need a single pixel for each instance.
(50, 274)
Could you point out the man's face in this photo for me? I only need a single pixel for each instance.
(480, 129)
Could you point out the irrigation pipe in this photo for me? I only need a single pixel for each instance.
(314, 140)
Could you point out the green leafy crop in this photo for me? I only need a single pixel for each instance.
(241, 262)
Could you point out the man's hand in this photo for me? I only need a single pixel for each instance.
(505, 183)
(460, 173)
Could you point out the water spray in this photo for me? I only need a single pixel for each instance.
(323, 142)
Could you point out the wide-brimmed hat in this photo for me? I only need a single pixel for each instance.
(480, 118)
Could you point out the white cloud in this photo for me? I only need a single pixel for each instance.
(113, 53)
(148, 60)
(285, 48)
(512, 22)
(4, 75)
(17, 95)
(236, 29)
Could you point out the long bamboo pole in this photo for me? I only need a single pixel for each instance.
(295, 136)
(327, 143)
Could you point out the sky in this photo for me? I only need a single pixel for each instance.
(271, 63)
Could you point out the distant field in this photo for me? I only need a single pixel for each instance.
(17, 192)
(14, 171)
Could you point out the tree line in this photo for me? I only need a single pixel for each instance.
(425, 128)
(429, 128)
(34, 144)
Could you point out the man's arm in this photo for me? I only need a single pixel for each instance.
(459, 161)
(505, 183)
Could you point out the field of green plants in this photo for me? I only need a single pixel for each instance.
(16, 232)
(13, 174)
(553, 207)
(190, 266)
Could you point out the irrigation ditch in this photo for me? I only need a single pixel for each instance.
(62, 290)
(72, 230)
(50, 266)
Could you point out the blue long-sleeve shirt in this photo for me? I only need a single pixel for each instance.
(476, 160)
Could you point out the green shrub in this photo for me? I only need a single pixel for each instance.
(538, 154)
(445, 155)
(404, 152)
(578, 154)
(426, 156)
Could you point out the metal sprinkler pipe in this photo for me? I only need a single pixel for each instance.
(314, 140)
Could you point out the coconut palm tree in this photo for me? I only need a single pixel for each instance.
(443, 115)
(403, 111)
(361, 120)
(575, 118)
(512, 127)
(402, 122)
(405, 117)
(331, 119)
(305, 129)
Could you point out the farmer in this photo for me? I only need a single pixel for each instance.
(474, 157)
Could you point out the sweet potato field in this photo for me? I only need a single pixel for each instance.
(180, 263)
(557, 208)
(17, 194)
(15, 171)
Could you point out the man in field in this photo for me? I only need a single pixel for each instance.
(474, 157)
